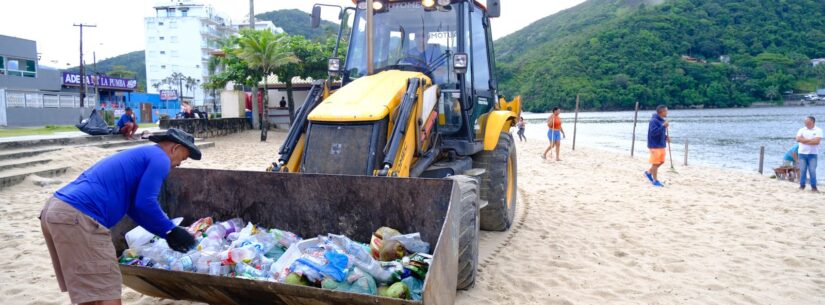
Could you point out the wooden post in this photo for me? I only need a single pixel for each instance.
(686, 152)
(575, 121)
(635, 118)
(761, 158)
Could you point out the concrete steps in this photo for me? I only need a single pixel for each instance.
(8, 165)
(14, 176)
(25, 153)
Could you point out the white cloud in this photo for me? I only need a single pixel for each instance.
(120, 23)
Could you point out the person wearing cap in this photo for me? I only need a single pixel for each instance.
(77, 219)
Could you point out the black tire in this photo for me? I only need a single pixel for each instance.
(468, 232)
(498, 214)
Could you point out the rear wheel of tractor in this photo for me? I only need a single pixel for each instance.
(468, 231)
(499, 184)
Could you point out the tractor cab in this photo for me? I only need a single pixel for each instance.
(448, 41)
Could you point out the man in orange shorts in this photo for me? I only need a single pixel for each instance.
(657, 140)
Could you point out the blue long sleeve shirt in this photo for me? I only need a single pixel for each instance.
(124, 119)
(656, 132)
(126, 183)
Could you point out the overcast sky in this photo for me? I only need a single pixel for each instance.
(120, 23)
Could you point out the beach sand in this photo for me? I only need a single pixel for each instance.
(589, 230)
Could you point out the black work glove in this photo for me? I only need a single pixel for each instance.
(180, 240)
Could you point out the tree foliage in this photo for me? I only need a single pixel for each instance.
(297, 22)
(682, 53)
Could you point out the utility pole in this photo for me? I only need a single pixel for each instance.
(82, 69)
(256, 120)
(96, 77)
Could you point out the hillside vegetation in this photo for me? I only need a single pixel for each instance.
(297, 22)
(678, 52)
(132, 61)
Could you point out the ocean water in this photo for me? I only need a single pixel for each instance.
(728, 138)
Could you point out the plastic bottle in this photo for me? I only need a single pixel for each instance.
(212, 243)
(206, 259)
(238, 255)
(218, 231)
(232, 225)
(185, 262)
(242, 269)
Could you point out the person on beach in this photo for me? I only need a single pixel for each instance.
(791, 157)
(657, 140)
(521, 124)
(127, 126)
(554, 133)
(76, 220)
(808, 138)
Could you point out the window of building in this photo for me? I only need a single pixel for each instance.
(174, 39)
(174, 53)
(184, 13)
(162, 38)
(170, 12)
(152, 38)
(163, 66)
(2, 65)
(173, 24)
(160, 23)
(21, 67)
(162, 52)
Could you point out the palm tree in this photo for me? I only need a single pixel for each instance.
(264, 51)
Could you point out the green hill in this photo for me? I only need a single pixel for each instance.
(678, 52)
(297, 22)
(133, 61)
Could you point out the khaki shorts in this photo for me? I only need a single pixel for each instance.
(82, 252)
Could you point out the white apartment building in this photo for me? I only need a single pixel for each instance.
(179, 38)
(260, 25)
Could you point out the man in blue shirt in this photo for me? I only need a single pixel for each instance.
(127, 125)
(657, 142)
(76, 221)
(791, 157)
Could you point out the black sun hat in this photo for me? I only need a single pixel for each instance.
(181, 137)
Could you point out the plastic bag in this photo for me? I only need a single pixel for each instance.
(412, 242)
(138, 236)
(280, 269)
(357, 281)
(317, 263)
(415, 286)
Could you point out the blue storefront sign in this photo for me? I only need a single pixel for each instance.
(105, 82)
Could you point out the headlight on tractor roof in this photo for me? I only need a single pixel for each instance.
(460, 61)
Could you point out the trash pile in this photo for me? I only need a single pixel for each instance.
(392, 265)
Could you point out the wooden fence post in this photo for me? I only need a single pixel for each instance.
(761, 158)
(635, 119)
(575, 122)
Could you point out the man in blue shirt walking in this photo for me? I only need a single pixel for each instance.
(76, 221)
(657, 142)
